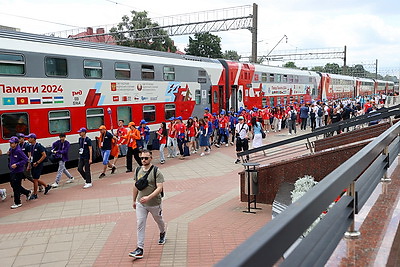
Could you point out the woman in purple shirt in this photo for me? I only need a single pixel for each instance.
(17, 162)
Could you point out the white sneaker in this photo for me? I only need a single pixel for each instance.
(16, 206)
(71, 180)
(54, 185)
(226, 144)
(4, 194)
(87, 185)
(289, 134)
(202, 154)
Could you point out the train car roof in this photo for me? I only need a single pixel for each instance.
(23, 36)
(282, 70)
(339, 76)
(383, 81)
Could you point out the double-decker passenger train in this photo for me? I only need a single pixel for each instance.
(53, 85)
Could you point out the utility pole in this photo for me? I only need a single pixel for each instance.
(254, 34)
(344, 60)
(376, 69)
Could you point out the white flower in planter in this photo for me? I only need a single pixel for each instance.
(301, 186)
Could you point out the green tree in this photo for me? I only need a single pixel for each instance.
(231, 55)
(204, 45)
(333, 68)
(290, 64)
(318, 68)
(125, 35)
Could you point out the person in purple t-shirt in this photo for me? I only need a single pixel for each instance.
(60, 150)
(16, 165)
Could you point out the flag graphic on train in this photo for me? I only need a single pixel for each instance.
(47, 100)
(22, 100)
(58, 99)
(35, 101)
(7, 101)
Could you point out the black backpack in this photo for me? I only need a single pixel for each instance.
(155, 169)
(320, 112)
(293, 115)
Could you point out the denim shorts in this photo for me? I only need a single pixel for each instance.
(105, 154)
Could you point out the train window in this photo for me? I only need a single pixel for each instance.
(290, 78)
(56, 66)
(264, 77)
(122, 70)
(94, 118)
(197, 96)
(169, 111)
(296, 79)
(284, 79)
(240, 96)
(147, 72)
(14, 123)
(169, 74)
(124, 113)
(149, 113)
(264, 101)
(202, 73)
(278, 78)
(92, 68)
(12, 64)
(271, 102)
(215, 97)
(59, 121)
(271, 78)
(285, 100)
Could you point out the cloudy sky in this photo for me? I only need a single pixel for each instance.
(369, 29)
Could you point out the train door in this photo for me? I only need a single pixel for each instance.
(217, 98)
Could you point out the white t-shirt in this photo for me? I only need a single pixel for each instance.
(242, 131)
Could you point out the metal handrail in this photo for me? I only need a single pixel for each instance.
(366, 118)
(269, 244)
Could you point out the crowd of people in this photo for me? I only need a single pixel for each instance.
(241, 128)
(196, 135)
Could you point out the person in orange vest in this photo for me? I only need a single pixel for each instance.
(133, 150)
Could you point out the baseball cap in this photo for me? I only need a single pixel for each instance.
(14, 139)
(171, 119)
(102, 127)
(20, 135)
(31, 135)
(240, 118)
(179, 118)
(143, 122)
(131, 124)
(206, 108)
(83, 129)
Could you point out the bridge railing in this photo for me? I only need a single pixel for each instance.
(293, 143)
(360, 174)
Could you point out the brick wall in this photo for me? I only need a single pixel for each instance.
(352, 136)
(317, 165)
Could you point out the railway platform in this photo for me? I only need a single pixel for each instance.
(72, 226)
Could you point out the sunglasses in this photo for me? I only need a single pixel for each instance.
(144, 158)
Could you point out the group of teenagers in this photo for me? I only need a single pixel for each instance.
(26, 156)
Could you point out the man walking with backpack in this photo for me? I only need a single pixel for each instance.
(320, 114)
(292, 120)
(147, 194)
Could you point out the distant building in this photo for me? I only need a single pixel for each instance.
(6, 28)
(98, 37)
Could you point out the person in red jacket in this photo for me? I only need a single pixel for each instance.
(131, 137)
